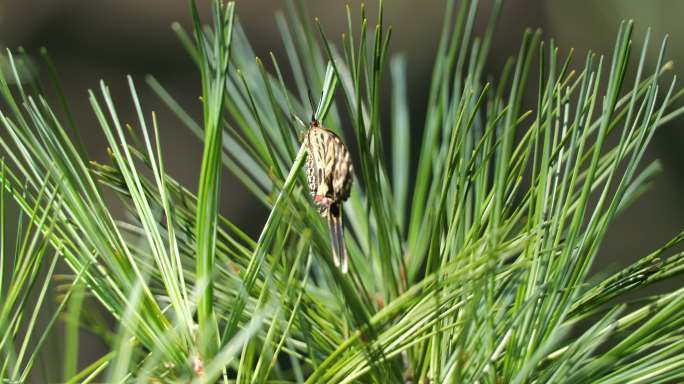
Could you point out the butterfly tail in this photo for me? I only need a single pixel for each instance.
(339, 249)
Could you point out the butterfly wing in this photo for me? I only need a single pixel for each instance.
(319, 165)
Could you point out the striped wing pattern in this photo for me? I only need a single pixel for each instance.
(329, 166)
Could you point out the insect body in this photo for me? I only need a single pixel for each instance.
(330, 173)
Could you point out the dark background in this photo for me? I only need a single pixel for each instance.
(108, 39)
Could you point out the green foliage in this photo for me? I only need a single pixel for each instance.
(476, 271)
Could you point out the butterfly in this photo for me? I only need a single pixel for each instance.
(329, 172)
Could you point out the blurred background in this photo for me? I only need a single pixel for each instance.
(108, 39)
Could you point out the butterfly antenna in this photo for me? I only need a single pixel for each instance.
(313, 106)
